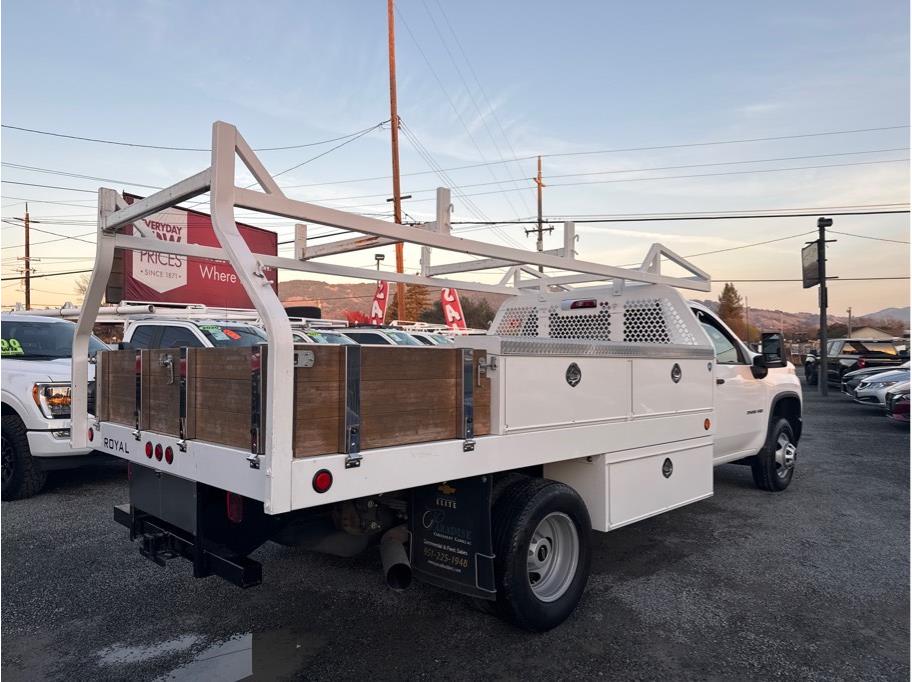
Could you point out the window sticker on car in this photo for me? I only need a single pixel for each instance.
(11, 347)
(231, 334)
(217, 333)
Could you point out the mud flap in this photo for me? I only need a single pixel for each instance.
(450, 526)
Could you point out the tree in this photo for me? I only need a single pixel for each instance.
(417, 300)
(478, 312)
(731, 311)
(81, 285)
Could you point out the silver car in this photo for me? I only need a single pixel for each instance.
(872, 390)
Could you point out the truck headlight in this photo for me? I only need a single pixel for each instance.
(53, 399)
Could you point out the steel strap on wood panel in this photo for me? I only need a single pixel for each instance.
(257, 394)
(351, 435)
(137, 408)
(468, 399)
(182, 410)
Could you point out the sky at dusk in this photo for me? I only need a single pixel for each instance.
(587, 84)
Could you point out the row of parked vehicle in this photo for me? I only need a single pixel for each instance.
(36, 353)
(869, 371)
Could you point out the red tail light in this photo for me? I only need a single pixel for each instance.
(234, 507)
(322, 481)
(861, 363)
(149, 449)
(169, 454)
(584, 303)
(158, 452)
(91, 435)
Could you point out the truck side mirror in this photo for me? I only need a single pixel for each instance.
(772, 350)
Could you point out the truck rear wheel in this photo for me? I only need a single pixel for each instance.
(774, 466)
(541, 546)
(20, 474)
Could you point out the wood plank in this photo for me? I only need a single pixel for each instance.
(327, 364)
(213, 426)
(317, 436)
(403, 363)
(408, 427)
(223, 363)
(393, 397)
(482, 397)
(231, 396)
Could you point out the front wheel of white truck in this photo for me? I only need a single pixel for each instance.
(774, 466)
(541, 546)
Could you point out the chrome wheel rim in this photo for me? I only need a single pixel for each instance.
(786, 452)
(553, 556)
(7, 460)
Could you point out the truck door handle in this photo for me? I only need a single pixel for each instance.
(720, 381)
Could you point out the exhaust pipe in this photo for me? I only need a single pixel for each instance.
(396, 567)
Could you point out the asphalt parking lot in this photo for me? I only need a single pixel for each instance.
(812, 583)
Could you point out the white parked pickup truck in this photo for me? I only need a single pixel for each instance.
(481, 467)
(36, 402)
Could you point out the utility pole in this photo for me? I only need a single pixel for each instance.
(28, 264)
(822, 225)
(849, 311)
(394, 130)
(540, 242)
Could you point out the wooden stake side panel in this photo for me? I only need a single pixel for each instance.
(161, 390)
(408, 395)
(319, 402)
(482, 395)
(116, 374)
(219, 395)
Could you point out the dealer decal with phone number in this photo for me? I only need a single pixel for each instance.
(11, 347)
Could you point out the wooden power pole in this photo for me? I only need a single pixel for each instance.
(28, 264)
(394, 129)
(540, 242)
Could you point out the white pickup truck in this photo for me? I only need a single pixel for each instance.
(36, 402)
(482, 467)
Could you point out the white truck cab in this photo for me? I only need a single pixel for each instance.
(750, 401)
(36, 401)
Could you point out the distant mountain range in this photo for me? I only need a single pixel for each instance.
(335, 299)
(901, 314)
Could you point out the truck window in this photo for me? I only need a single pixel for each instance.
(868, 348)
(232, 336)
(145, 336)
(179, 337)
(369, 338)
(727, 352)
(41, 340)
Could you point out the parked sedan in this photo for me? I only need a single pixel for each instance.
(850, 380)
(873, 390)
(896, 402)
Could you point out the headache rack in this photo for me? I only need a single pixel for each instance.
(275, 458)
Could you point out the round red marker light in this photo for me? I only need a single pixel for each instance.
(149, 449)
(706, 424)
(158, 452)
(91, 435)
(322, 481)
(169, 455)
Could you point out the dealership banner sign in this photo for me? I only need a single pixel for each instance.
(380, 302)
(452, 309)
(168, 278)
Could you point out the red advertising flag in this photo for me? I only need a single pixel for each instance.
(452, 309)
(381, 300)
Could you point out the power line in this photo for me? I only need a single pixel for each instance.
(48, 274)
(862, 236)
(453, 106)
(53, 234)
(619, 150)
(829, 280)
(181, 149)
